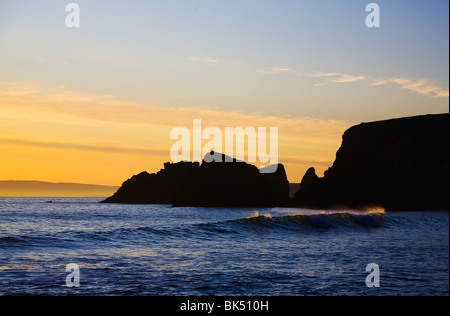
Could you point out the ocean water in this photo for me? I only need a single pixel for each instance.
(159, 250)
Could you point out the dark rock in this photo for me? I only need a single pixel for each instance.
(159, 188)
(309, 179)
(294, 187)
(399, 164)
(220, 181)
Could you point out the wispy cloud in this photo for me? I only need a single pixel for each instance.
(273, 70)
(419, 86)
(338, 77)
(60, 104)
(84, 147)
(204, 60)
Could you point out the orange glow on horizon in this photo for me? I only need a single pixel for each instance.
(52, 134)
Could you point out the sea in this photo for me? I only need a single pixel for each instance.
(77, 246)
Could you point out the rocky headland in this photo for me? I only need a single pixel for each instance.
(398, 164)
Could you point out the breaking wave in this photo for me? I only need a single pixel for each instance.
(319, 220)
(257, 222)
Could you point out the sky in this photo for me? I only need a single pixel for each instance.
(97, 103)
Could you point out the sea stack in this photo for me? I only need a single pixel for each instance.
(219, 181)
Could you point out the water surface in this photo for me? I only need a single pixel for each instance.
(160, 250)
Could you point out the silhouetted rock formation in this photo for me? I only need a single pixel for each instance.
(399, 164)
(160, 188)
(309, 179)
(219, 181)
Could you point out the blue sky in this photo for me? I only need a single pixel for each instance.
(239, 54)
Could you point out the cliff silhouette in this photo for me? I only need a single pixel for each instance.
(398, 164)
(219, 181)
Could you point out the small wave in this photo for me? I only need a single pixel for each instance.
(26, 241)
(257, 222)
(124, 233)
(256, 215)
(215, 228)
(11, 240)
(155, 231)
(295, 222)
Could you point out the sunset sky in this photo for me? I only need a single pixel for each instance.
(96, 104)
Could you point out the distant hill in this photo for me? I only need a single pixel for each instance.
(14, 188)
